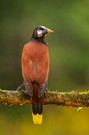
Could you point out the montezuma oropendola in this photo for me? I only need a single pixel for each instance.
(35, 70)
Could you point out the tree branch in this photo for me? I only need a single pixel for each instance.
(73, 98)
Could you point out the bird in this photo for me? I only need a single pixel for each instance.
(35, 70)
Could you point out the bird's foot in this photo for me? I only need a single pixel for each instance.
(29, 88)
(42, 90)
(19, 88)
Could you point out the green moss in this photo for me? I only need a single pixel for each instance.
(3, 90)
(85, 93)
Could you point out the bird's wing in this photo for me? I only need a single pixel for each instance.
(28, 69)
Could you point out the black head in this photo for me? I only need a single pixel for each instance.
(39, 34)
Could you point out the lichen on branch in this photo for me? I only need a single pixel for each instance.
(73, 98)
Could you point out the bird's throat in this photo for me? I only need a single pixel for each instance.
(41, 40)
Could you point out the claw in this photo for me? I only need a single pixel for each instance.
(19, 88)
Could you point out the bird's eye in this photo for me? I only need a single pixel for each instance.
(39, 33)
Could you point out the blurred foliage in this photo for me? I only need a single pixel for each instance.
(69, 53)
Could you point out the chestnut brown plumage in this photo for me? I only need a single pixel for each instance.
(35, 70)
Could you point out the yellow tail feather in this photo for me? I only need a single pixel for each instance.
(37, 119)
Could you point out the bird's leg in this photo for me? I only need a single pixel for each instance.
(29, 88)
(42, 89)
(19, 88)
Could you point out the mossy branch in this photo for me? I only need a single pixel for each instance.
(73, 98)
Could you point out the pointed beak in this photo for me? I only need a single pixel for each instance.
(49, 31)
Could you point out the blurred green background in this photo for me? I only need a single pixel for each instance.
(69, 54)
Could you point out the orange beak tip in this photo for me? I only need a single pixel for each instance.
(49, 31)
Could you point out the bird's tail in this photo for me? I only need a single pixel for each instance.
(37, 107)
(37, 113)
